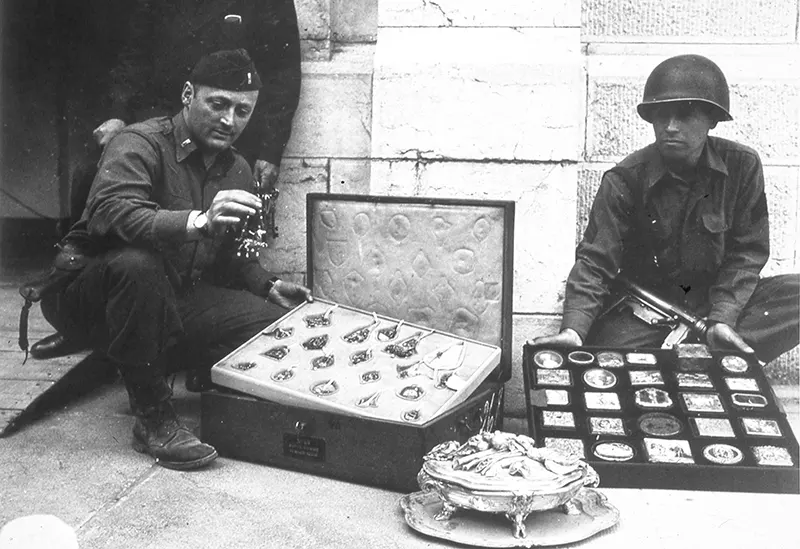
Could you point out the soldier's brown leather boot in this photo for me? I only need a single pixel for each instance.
(158, 432)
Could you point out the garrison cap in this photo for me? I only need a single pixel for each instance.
(231, 70)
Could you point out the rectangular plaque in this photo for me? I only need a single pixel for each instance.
(305, 448)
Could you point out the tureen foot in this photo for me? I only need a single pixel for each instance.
(447, 511)
(519, 523)
(572, 507)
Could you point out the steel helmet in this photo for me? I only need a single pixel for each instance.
(686, 78)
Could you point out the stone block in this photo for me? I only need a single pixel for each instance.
(525, 327)
(686, 21)
(315, 50)
(287, 252)
(350, 176)
(544, 219)
(354, 20)
(333, 118)
(478, 13)
(477, 94)
(313, 19)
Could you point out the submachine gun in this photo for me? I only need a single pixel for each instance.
(659, 312)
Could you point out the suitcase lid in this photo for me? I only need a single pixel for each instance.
(442, 263)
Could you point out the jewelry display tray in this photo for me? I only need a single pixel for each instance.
(436, 263)
(743, 445)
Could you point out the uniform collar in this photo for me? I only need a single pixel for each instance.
(185, 145)
(709, 160)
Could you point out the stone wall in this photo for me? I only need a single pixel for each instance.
(526, 101)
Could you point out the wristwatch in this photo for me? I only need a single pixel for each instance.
(201, 224)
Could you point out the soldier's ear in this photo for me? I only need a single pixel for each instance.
(187, 94)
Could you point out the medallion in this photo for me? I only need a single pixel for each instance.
(276, 353)
(702, 402)
(734, 364)
(569, 446)
(557, 397)
(742, 384)
(325, 388)
(614, 451)
(280, 333)
(558, 420)
(243, 366)
(548, 359)
(561, 378)
(693, 380)
(659, 424)
(370, 377)
(641, 359)
(315, 343)
(358, 357)
(761, 427)
(744, 400)
(651, 397)
(723, 454)
(282, 375)
(610, 359)
(582, 358)
(411, 392)
(646, 377)
(661, 450)
(772, 455)
(713, 427)
(606, 426)
(599, 378)
(602, 401)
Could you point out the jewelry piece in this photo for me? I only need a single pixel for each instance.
(360, 335)
(602, 401)
(412, 416)
(742, 384)
(723, 454)
(761, 427)
(692, 379)
(408, 370)
(369, 401)
(643, 359)
(411, 392)
(360, 356)
(276, 353)
(325, 388)
(315, 343)
(320, 362)
(668, 451)
(388, 333)
(744, 400)
(659, 424)
(581, 357)
(407, 347)
(651, 397)
(713, 427)
(561, 378)
(548, 359)
(370, 377)
(320, 319)
(702, 402)
(610, 359)
(606, 426)
(614, 451)
(734, 364)
(243, 366)
(772, 455)
(646, 377)
(279, 333)
(599, 378)
(282, 375)
(558, 420)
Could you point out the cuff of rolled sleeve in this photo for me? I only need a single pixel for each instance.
(725, 313)
(170, 225)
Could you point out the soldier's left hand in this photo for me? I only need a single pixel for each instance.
(722, 336)
(266, 174)
(288, 294)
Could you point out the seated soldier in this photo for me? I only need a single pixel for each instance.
(162, 273)
(685, 217)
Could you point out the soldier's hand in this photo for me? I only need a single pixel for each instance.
(266, 174)
(104, 132)
(566, 338)
(230, 207)
(722, 336)
(288, 294)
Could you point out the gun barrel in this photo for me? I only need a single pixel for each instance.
(697, 324)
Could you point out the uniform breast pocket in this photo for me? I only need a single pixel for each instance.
(711, 245)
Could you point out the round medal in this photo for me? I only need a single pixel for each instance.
(659, 424)
(613, 451)
(599, 378)
(734, 364)
(723, 454)
(548, 359)
(581, 357)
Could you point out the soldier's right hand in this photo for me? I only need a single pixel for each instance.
(230, 207)
(104, 132)
(566, 338)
